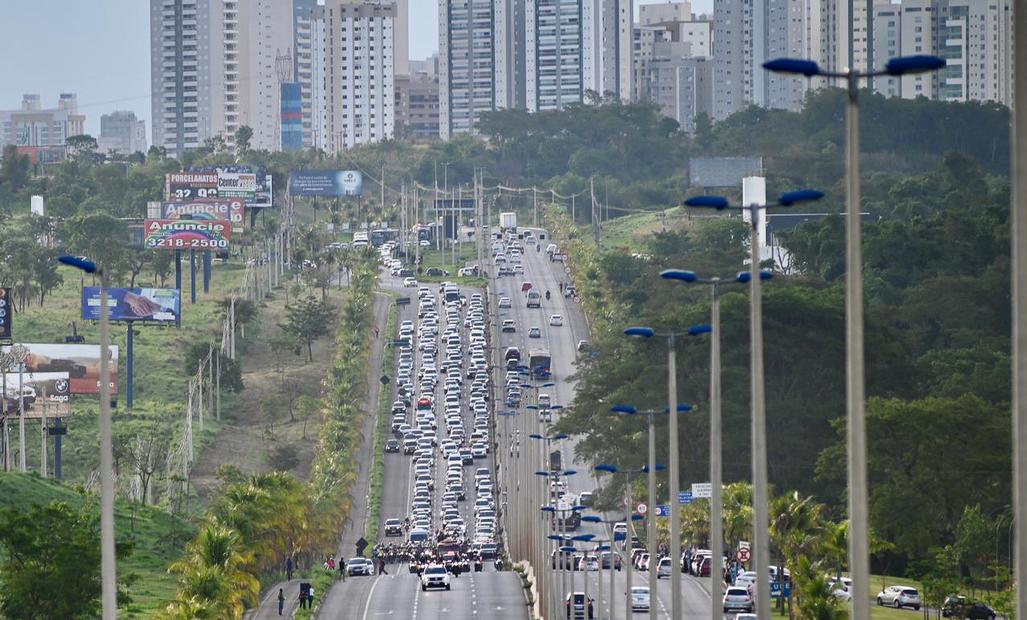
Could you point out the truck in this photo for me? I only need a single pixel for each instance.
(508, 221)
(539, 362)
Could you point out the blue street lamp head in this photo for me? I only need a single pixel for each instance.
(578, 508)
(568, 472)
(903, 65)
(583, 537)
(536, 436)
(548, 509)
(531, 407)
(591, 519)
(606, 467)
(745, 277)
(792, 65)
(626, 409)
(542, 473)
(568, 549)
(703, 328)
(602, 547)
(682, 408)
(526, 386)
(555, 407)
(789, 199)
(547, 385)
(709, 202)
(637, 517)
(79, 262)
(640, 332)
(554, 537)
(659, 467)
(678, 274)
(559, 436)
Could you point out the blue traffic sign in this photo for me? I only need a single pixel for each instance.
(685, 497)
(663, 510)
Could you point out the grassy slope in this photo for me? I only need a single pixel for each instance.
(159, 354)
(157, 536)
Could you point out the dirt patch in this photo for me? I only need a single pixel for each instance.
(267, 427)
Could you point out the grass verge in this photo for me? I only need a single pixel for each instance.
(381, 432)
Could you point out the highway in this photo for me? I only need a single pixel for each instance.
(486, 594)
(561, 341)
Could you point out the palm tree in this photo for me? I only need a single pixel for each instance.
(794, 529)
(737, 500)
(213, 572)
(834, 544)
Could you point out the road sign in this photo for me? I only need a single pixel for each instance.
(402, 301)
(775, 589)
(384, 380)
(361, 545)
(744, 544)
(702, 490)
(742, 555)
(685, 497)
(641, 509)
(662, 510)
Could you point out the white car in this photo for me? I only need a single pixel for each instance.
(664, 567)
(435, 576)
(409, 283)
(504, 302)
(534, 332)
(737, 599)
(556, 320)
(899, 597)
(639, 598)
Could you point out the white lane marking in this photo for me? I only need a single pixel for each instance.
(370, 595)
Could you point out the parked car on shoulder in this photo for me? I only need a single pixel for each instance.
(899, 597)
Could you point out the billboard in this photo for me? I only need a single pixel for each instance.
(237, 184)
(6, 316)
(44, 392)
(723, 171)
(326, 183)
(151, 305)
(80, 362)
(230, 209)
(186, 234)
(265, 193)
(191, 185)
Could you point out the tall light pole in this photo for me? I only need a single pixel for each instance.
(760, 485)
(675, 469)
(653, 468)
(1019, 243)
(716, 424)
(108, 567)
(629, 475)
(859, 529)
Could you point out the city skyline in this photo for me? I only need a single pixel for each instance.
(115, 33)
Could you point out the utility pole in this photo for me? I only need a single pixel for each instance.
(1018, 218)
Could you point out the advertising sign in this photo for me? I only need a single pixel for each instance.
(230, 209)
(191, 185)
(326, 183)
(186, 234)
(702, 490)
(81, 363)
(6, 316)
(237, 184)
(264, 194)
(44, 393)
(151, 305)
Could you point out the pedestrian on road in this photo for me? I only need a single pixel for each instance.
(281, 600)
(288, 569)
(342, 567)
(381, 567)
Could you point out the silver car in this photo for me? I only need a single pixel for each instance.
(899, 597)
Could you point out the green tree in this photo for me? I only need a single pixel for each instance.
(308, 319)
(243, 135)
(214, 574)
(42, 546)
(14, 169)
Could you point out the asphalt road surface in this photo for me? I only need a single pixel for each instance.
(487, 594)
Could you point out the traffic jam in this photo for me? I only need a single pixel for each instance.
(441, 421)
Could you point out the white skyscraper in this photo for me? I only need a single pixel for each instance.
(555, 62)
(609, 43)
(359, 72)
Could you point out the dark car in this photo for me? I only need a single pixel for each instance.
(959, 607)
(435, 271)
(392, 445)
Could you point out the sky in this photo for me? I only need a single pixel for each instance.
(100, 50)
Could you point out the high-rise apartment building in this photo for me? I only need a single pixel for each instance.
(609, 42)
(122, 132)
(976, 39)
(664, 13)
(555, 63)
(473, 62)
(680, 83)
(359, 72)
(417, 106)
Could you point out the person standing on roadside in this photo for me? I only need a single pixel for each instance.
(342, 567)
(281, 600)
(288, 568)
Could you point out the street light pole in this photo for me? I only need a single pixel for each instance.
(716, 466)
(859, 548)
(108, 566)
(1019, 243)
